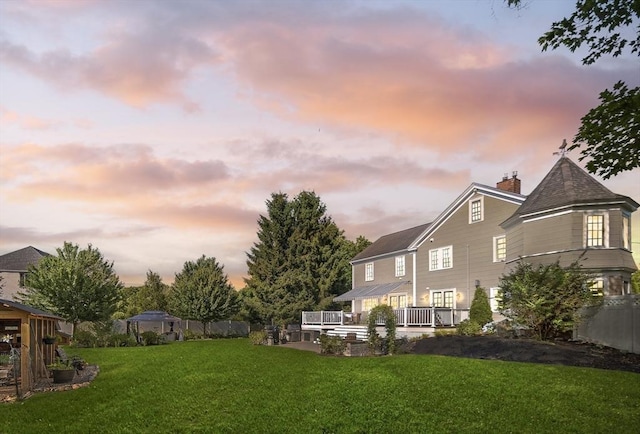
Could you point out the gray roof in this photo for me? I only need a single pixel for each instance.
(21, 259)
(370, 291)
(567, 184)
(25, 308)
(390, 243)
(154, 315)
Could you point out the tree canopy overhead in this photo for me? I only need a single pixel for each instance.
(300, 261)
(77, 284)
(609, 133)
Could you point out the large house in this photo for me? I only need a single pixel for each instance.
(13, 270)
(429, 273)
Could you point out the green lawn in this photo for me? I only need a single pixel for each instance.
(221, 386)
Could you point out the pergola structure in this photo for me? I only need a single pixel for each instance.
(25, 329)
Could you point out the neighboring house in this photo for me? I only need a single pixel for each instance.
(429, 273)
(13, 269)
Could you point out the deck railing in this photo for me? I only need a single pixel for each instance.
(405, 317)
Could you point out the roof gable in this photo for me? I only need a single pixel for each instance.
(391, 243)
(568, 184)
(21, 259)
(474, 188)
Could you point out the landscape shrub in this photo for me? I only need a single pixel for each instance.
(332, 345)
(150, 338)
(258, 337)
(480, 311)
(546, 299)
(102, 331)
(468, 328)
(191, 335)
(375, 341)
(84, 339)
(122, 340)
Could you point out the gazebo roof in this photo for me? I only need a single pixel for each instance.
(154, 315)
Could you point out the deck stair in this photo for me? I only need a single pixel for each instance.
(360, 332)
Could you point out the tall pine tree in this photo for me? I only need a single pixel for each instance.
(300, 261)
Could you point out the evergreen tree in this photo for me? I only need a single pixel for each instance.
(480, 311)
(300, 262)
(202, 292)
(77, 284)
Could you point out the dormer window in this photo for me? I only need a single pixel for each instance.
(476, 210)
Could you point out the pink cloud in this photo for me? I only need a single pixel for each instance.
(76, 172)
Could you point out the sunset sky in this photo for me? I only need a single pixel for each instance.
(156, 130)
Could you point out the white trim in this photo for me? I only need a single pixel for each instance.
(557, 214)
(404, 266)
(443, 291)
(439, 258)
(413, 281)
(470, 202)
(367, 266)
(495, 248)
(474, 188)
(605, 229)
(494, 296)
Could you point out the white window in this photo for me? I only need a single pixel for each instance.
(441, 258)
(494, 298)
(399, 266)
(476, 210)
(626, 232)
(443, 298)
(499, 248)
(398, 301)
(368, 272)
(597, 287)
(596, 229)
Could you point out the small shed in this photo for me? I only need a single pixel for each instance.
(28, 329)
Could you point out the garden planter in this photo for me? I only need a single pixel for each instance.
(63, 375)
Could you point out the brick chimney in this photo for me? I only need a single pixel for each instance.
(510, 184)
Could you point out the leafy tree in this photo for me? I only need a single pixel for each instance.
(202, 292)
(300, 261)
(609, 132)
(150, 296)
(635, 282)
(545, 298)
(480, 311)
(77, 284)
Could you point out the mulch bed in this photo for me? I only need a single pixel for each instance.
(568, 353)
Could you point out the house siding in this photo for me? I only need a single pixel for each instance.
(384, 270)
(472, 253)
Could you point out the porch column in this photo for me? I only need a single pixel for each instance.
(413, 280)
(25, 353)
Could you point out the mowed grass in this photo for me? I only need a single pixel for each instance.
(232, 386)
